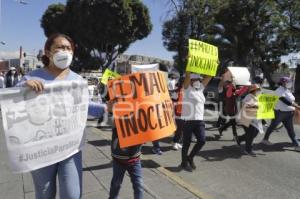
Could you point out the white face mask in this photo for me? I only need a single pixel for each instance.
(62, 59)
(196, 84)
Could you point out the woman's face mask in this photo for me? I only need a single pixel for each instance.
(62, 59)
(196, 84)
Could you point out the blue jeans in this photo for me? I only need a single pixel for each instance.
(69, 173)
(135, 172)
(286, 117)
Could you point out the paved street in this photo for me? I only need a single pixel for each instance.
(223, 172)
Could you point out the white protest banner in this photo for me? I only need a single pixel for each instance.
(45, 128)
(145, 67)
(240, 75)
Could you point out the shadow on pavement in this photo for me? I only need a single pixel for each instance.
(147, 150)
(232, 152)
(174, 169)
(98, 167)
(281, 146)
(100, 142)
(149, 164)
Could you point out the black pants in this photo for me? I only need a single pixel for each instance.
(231, 123)
(178, 133)
(196, 127)
(250, 133)
(286, 117)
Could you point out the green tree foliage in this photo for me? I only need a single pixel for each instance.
(252, 33)
(101, 29)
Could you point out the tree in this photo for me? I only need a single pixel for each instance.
(253, 33)
(101, 29)
(190, 19)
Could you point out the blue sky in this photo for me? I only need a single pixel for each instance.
(20, 26)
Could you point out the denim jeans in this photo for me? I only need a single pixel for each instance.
(286, 117)
(69, 172)
(196, 127)
(135, 173)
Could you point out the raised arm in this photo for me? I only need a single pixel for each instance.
(187, 80)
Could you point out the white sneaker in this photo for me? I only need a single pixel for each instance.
(266, 142)
(297, 148)
(179, 145)
(175, 146)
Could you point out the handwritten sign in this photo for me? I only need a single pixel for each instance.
(143, 111)
(266, 105)
(203, 58)
(109, 74)
(45, 128)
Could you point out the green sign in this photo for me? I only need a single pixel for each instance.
(266, 105)
(108, 74)
(203, 58)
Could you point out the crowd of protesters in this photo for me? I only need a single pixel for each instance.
(187, 94)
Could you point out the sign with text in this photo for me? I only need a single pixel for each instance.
(45, 128)
(266, 105)
(203, 58)
(143, 110)
(108, 74)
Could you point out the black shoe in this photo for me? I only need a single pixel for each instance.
(251, 153)
(191, 162)
(185, 166)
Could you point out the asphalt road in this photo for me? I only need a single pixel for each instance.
(223, 171)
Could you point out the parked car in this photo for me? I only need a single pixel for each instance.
(211, 92)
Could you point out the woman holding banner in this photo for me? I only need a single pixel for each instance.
(251, 125)
(192, 114)
(284, 112)
(59, 50)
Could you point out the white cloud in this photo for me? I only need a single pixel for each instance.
(9, 54)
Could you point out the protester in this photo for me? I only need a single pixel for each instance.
(231, 106)
(11, 78)
(177, 101)
(225, 77)
(192, 114)
(2, 80)
(59, 50)
(124, 159)
(251, 125)
(260, 81)
(284, 112)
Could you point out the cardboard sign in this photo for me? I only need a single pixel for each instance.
(203, 58)
(266, 105)
(109, 74)
(240, 75)
(143, 111)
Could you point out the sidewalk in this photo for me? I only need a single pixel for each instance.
(97, 173)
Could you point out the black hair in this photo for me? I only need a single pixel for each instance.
(50, 42)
